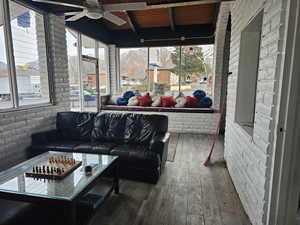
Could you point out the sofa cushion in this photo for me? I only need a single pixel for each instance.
(67, 146)
(136, 156)
(109, 127)
(141, 128)
(95, 147)
(75, 125)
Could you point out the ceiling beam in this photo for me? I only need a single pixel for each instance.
(178, 3)
(163, 36)
(132, 23)
(171, 18)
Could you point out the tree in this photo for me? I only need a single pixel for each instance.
(192, 62)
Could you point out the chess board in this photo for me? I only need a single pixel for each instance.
(55, 167)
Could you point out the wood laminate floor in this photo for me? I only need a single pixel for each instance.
(187, 194)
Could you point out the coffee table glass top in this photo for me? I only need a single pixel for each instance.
(14, 180)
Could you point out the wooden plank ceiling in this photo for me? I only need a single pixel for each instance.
(189, 24)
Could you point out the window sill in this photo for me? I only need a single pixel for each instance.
(26, 107)
(248, 128)
(156, 109)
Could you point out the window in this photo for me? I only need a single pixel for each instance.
(28, 81)
(180, 68)
(133, 69)
(5, 91)
(73, 67)
(162, 63)
(88, 46)
(83, 71)
(248, 71)
(103, 68)
(196, 69)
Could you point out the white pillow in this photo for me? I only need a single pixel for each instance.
(180, 102)
(113, 100)
(156, 101)
(133, 101)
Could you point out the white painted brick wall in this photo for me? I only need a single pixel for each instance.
(200, 123)
(16, 127)
(219, 70)
(249, 158)
(114, 82)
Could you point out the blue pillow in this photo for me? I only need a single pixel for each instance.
(205, 102)
(199, 94)
(128, 94)
(122, 101)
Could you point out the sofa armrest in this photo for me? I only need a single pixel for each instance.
(159, 144)
(44, 137)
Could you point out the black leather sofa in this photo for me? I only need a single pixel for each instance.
(140, 140)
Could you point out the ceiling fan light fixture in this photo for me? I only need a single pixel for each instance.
(94, 13)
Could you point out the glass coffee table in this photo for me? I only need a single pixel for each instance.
(15, 184)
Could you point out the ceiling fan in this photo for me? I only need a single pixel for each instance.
(93, 9)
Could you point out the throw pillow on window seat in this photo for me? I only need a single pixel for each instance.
(167, 101)
(113, 100)
(156, 101)
(128, 94)
(122, 101)
(180, 102)
(191, 102)
(199, 94)
(205, 102)
(133, 101)
(145, 100)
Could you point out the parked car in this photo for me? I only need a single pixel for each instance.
(74, 94)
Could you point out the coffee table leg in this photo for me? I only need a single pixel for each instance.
(70, 214)
(116, 180)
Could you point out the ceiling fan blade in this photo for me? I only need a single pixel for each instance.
(71, 13)
(77, 16)
(59, 3)
(114, 19)
(125, 6)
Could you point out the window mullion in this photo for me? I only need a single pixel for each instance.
(180, 68)
(10, 54)
(80, 71)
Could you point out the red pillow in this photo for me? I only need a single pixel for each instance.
(167, 101)
(191, 102)
(145, 100)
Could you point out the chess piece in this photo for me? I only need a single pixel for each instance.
(33, 170)
(62, 170)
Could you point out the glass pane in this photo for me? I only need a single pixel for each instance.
(28, 34)
(196, 66)
(103, 68)
(89, 83)
(88, 46)
(74, 76)
(16, 181)
(133, 69)
(5, 96)
(164, 69)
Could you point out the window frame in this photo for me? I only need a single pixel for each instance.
(11, 66)
(248, 126)
(96, 57)
(106, 55)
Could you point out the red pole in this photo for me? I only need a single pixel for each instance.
(222, 111)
